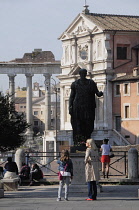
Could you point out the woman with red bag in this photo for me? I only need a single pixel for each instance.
(66, 170)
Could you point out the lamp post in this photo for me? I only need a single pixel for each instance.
(55, 89)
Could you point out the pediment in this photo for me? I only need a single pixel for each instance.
(75, 69)
(80, 26)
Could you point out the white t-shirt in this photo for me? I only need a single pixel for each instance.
(65, 173)
(105, 149)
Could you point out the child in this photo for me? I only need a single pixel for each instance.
(66, 170)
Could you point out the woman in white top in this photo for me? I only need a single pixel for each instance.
(105, 159)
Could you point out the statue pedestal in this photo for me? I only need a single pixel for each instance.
(78, 168)
(78, 183)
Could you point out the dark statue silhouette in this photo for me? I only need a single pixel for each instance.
(82, 107)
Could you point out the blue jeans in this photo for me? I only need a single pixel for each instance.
(92, 190)
(66, 181)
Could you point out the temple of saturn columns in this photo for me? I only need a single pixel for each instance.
(29, 69)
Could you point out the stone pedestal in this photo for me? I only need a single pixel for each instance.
(20, 158)
(132, 163)
(1, 193)
(1, 190)
(78, 183)
(10, 184)
(78, 168)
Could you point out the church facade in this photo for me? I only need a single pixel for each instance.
(107, 46)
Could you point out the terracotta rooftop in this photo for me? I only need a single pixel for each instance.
(20, 100)
(115, 22)
(127, 77)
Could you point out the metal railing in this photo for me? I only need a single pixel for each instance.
(49, 168)
(118, 164)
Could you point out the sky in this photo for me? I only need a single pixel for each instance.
(29, 24)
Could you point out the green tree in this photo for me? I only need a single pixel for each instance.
(24, 89)
(12, 126)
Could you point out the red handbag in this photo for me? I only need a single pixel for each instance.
(60, 177)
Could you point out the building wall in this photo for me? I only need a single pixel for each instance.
(72, 62)
(130, 125)
(131, 40)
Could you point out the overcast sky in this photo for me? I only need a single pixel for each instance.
(29, 24)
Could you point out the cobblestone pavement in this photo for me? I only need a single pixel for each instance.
(113, 197)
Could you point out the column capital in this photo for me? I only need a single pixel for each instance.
(29, 75)
(47, 75)
(11, 75)
(47, 79)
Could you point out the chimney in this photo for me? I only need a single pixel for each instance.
(135, 71)
(37, 50)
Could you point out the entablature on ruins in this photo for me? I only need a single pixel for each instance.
(12, 68)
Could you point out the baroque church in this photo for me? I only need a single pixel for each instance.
(107, 46)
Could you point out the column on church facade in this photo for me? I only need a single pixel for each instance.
(47, 101)
(90, 53)
(11, 86)
(74, 51)
(29, 103)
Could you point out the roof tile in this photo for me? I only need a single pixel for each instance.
(115, 22)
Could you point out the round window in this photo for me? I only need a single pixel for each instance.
(83, 54)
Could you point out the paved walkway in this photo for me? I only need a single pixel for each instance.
(113, 197)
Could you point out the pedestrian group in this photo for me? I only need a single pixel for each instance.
(91, 168)
(65, 168)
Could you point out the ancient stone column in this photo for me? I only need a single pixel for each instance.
(29, 105)
(19, 158)
(132, 163)
(11, 86)
(47, 101)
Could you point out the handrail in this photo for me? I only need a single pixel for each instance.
(121, 137)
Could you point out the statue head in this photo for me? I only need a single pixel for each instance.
(82, 73)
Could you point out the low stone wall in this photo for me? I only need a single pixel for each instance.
(118, 164)
(125, 148)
